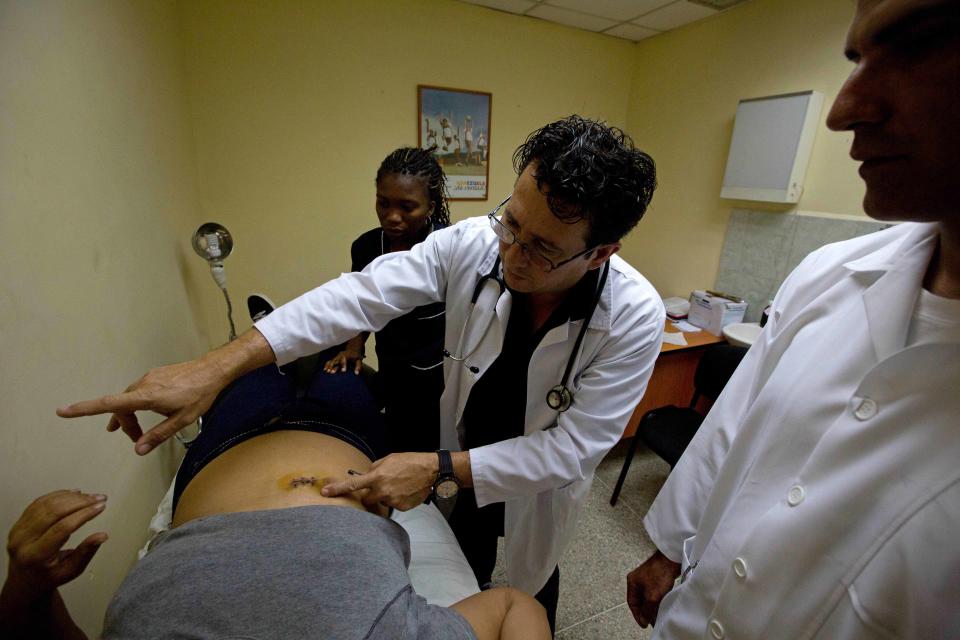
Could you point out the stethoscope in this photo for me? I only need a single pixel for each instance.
(559, 398)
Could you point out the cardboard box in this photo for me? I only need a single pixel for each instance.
(713, 312)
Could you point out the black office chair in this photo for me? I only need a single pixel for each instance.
(668, 430)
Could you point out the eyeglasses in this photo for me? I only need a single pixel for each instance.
(533, 254)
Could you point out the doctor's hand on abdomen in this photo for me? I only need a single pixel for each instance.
(179, 392)
(401, 480)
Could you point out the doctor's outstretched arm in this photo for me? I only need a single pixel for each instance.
(330, 314)
(180, 392)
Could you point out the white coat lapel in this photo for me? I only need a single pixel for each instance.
(889, 323)
(491, 305)
(482, 335)
(558, 334)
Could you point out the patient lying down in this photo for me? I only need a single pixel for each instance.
(255, 549)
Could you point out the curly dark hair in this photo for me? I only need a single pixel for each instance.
(590, 171)
(420, 163)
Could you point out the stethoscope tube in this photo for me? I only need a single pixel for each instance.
(559, 398)
(477, 289)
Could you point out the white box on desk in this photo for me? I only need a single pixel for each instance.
(713, 313)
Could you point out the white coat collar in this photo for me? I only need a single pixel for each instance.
(898, 270)
(887, 256)
(601, 317)
(485, 265)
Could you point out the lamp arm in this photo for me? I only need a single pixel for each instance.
(220, 277)
(233, 329)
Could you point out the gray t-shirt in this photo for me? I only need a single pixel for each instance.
(303, 572)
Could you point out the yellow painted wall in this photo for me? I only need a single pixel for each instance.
(126, 124)
(686, 85)
(295, 104)
(96, 186)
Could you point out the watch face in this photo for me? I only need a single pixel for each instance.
(447, 488)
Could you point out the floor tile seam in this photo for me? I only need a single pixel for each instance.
(619, 502)
(589, 618)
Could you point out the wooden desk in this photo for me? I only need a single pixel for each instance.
(672, 379)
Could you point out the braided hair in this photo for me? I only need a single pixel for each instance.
(421, 163)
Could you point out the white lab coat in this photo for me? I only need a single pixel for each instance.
(821, 496)
(544, 476)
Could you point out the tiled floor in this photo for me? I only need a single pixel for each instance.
(609, 543)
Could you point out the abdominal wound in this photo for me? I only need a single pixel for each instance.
(300, 481)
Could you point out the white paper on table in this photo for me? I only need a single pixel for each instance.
(683, 325)
(676, 338)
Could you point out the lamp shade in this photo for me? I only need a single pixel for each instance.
(212, 242)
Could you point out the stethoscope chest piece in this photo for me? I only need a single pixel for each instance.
(559, 398)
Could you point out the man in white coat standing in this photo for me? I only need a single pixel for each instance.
(821, 496)
(550, 341)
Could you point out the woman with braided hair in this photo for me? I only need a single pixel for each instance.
(411, 203)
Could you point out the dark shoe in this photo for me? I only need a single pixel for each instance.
(259, 306)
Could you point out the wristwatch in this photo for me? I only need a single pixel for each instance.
(446, 486)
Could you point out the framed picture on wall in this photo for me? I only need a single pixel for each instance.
(456, 123)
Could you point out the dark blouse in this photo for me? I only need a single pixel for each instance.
(415, 339)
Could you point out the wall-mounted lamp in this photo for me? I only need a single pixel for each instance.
(213, 243)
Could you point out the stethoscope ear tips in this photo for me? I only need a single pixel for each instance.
(474, 369)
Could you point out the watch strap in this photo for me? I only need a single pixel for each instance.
(446, 464)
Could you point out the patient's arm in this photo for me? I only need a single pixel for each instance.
(504, 613)
(30, 605)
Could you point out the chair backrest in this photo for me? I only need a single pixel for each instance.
(716, 366)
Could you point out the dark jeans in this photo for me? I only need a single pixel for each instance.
(477, 530)
(267, 400)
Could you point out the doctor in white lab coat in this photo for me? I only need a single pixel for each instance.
(541, 272)
(545, 475)
(821, 496)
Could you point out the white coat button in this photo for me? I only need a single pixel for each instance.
(740, 568)
(716, 629)
(795, 495)
(866, 409)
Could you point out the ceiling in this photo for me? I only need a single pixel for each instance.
(629, 19)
